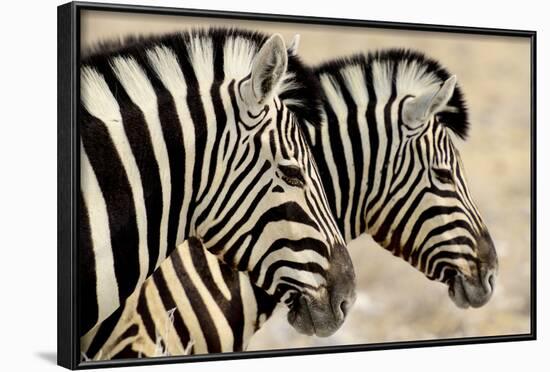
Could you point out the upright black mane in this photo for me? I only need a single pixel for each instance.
(455, 119)
(301, 94)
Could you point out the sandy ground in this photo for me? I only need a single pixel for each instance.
(395, 302)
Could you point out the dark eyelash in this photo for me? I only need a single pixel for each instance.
(292, 175)
(443, 175)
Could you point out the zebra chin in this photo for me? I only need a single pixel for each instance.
(323, 312)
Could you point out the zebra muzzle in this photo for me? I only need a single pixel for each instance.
(476, 290)
(323, 313)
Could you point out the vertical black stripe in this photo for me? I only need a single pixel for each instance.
(145, 313)
(413, 165)
(340, 161)
(322, 167)
(87, 305)
(389, 139)
(201, 310)
(103, 333)
(117, 193)
(219, 109)
(404, 141)
(233, 308)
(280, 129)
(229, 167)
(357, 152)
(374, 143)
(198, 118)
(139, 138)
(169, 303)
(272, 144)
(173, 139)
(316, 202)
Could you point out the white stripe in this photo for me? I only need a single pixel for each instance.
(304, 257)
(238, 54)
(184, 306)
(106, 283)
(100, 102)
(201, 56)
(250, 308)
(354, 77)
(164, 327)
(221, 161)
(221, 324)
(462, 263)
(455, 248)
(428, 226)
(340, 108)
(141, 92)
(214, 266)
(307, 277)
(328, 86)
(166, 66)
(381, 74)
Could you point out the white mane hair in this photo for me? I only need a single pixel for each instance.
(299, 89)
(411, 72)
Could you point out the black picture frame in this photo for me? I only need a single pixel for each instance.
(69, 164)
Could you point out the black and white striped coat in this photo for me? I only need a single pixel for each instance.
(198, 134)
(192, 304)
(402, 183)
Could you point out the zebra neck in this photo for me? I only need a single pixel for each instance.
(356, 152)
(196, 102)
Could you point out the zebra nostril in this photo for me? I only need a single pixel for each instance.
(491, 281)
(344, 306)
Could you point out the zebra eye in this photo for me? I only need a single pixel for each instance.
(292, 175)
(443, 175)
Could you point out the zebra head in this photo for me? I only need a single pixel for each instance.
(427, 216)
(273, 219)
(390, 168)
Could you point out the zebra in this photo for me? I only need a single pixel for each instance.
(366, 98)
(198, 134)
(192, 304)
(390, 168)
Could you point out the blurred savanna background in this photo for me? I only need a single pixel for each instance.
(395, 302)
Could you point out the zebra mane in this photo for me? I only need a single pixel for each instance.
(299, 90)
(421, 71)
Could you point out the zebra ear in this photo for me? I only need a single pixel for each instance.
(418, 110)
(294, 44)
(268, 69)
